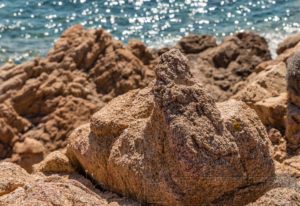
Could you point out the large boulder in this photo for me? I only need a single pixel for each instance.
(17, 187)
(170, 144)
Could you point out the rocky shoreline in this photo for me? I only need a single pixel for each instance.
(98, 122)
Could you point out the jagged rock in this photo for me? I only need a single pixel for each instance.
(114, 68)
(196, 44)
(293, 110)
(17, 187)
(140, 50)
(46, 98)
(266, 93)
(288, 43)
(171, 144)
(55, 162)
(222, 67)
(281, 58)
(11, 124)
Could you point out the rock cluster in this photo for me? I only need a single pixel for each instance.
(222, 67)
(43, 100)
(217, 126)
(265, 92)
(171, 144)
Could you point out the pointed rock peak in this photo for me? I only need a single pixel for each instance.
(173, 68)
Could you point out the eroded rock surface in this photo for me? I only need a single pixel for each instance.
(171, 144)
(45, 99)
(280, 196)
(286, 187)
(222, 67)
(292, 123)
(265, 92)
(17, 187)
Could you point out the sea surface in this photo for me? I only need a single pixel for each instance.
(30, 27)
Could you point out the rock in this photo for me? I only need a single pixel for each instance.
(288, 43)
(114, 68)
(118, 72)
(55, 162)
(265, 92)
(279, 145)
(293, 110)
(175, 143)
(19, 188)
(28, 153)
(272, 111)
(279, 196)
(281, 58)
(293, 72)
(292, 166)
(12, 176)
(140, 50)
(46, 98)
(285, 189)
(196, 44)
(11, 124)
(222, 67)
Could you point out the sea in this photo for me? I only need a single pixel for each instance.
(29, 28)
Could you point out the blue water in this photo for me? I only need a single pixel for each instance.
(30, 27)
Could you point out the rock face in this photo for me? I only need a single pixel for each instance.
(292, 124)
(286, 187)
(17, 187)
(196, 44)
(221, 67)
(43, 100)
(265, 92)
(280, 196)
(171, 144)
(288, 43)
(55, 162)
